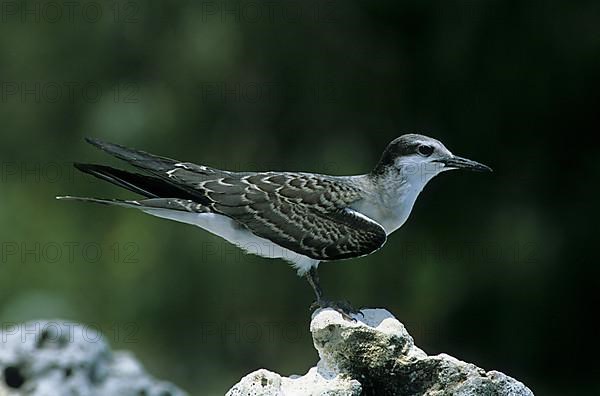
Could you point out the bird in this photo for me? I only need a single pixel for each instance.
(302, 218)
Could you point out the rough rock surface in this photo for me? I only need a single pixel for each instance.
(50, 358)
(376, 356)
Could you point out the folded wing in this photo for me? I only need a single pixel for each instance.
(305, 213)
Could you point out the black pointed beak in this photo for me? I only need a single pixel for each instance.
(463, 163)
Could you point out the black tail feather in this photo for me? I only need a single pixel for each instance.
(148, 186)
(141, 159)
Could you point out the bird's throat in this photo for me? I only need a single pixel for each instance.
(398, 200)
(393, 200)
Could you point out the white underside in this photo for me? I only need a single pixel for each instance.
(232, 232)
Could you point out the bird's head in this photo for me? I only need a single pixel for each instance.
(423, 157)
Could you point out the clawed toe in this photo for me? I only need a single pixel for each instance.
(314, 305)
(343, 307)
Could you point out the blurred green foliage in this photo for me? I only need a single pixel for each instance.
(498, 270)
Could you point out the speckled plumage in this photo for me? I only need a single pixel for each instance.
(303, 218)
(301, 212)
(306, 213)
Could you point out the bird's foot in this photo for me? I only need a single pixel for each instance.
(343, 307)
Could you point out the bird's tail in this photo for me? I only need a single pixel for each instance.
(115, 202)
(170, 204)
(148, 186)
(139, 158)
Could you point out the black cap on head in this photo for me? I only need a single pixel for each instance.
(406, 145)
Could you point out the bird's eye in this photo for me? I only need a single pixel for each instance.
(424, 150)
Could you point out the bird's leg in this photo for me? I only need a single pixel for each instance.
(313, 278)
(343, 307)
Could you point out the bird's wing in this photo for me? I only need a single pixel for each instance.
(305, 213)
(154, 164)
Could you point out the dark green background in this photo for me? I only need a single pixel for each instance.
(495, 269)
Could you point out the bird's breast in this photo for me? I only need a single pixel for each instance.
(390, 210)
